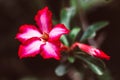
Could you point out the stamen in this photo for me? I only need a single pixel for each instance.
(45, 36)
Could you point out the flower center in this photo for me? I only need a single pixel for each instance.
(45, 36)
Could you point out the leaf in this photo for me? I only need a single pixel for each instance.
(89, 4)
(64, 40)
(74, 4)
(66, 15)
(61, 70)
(91, 30)
(105, 76)
(73, 34)
(93, 66)
(71, 59)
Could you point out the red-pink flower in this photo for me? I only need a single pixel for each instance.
(43, 40)
(91, 50)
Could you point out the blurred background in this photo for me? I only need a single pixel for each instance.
(14, 13)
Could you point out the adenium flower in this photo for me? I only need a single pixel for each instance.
(43, 40)
(91, 50)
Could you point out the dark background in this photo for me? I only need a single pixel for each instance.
(14, 13)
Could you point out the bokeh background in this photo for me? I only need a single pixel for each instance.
(14, 13)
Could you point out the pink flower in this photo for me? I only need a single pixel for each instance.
(91, 50)
(43, 40)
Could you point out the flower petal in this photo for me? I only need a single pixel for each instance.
(57, 31)
(91, 50)
(44, 20)
(27, 32)
(50, 50)
(30, 49)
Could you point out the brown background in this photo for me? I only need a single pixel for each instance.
(14, 13)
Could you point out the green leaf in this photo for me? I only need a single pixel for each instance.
(61, 70)
(89, 4)
(91, 30)
(93, 66)
(64, 40)
(74, 32)
(66, 15)
(73, 3)
(71, 59)
(105, 76)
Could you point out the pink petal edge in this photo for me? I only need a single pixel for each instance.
(44, 20)
(26, 32)
(30, 49)
(57, 31)
(50, 50)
